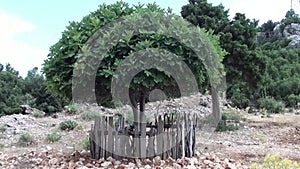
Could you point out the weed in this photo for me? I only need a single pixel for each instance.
(2, 136)
(86, 143)
(223, 126)
(274, 162)
(72, 108)
(68, 125)
(3, 128)
(25, 139)
(38, 114)
(80, 127)
(53, 137)
(261, 137)
(89, 115)
(232, 116)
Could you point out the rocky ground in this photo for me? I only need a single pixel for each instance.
(258, 135)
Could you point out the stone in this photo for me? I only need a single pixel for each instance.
(26, 109)
(157, 161)
(122, 166)
(295, 41)
(131, 165)
(277, 31)
(176, 166)
(53, 161)
(147, 166)
(138, 163)
(106, 164)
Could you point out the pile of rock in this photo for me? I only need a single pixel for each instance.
(26, 109)
(82, 160)
(12, 126)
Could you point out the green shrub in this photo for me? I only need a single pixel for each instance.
(68, 125)
(239, 95)
(231, 116)
(274, 162)
(1, 146)
(38, 114)
(272, 105)
(53, 137)
(25, 138)
(293, 99)
(89, 115)
(72, 108)
(222, 126)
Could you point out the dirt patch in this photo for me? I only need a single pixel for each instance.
(259, 137)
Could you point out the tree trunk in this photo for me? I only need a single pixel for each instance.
(216, 106)
(142, 125)
(136, 127)
(139, 125)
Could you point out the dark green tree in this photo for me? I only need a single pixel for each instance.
(16, 91)
(205, 15)
(11, 91)
(37, 94)
(290, 17)
(268, 26)
(243, 64)
(291, 14)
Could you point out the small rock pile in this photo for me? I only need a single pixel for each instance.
(12, 126)
(82, 160)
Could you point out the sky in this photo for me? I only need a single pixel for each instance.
(28, 28)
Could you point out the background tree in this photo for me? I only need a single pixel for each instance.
(205, 15)
(11, 91)
(243, 64)
(268, 26)
(16, 91)
(38, 95)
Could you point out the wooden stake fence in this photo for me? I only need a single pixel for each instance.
(170, 136)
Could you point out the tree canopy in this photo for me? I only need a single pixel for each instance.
(63, 55)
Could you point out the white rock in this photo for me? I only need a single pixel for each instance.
(106, 164)
(147, 166)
